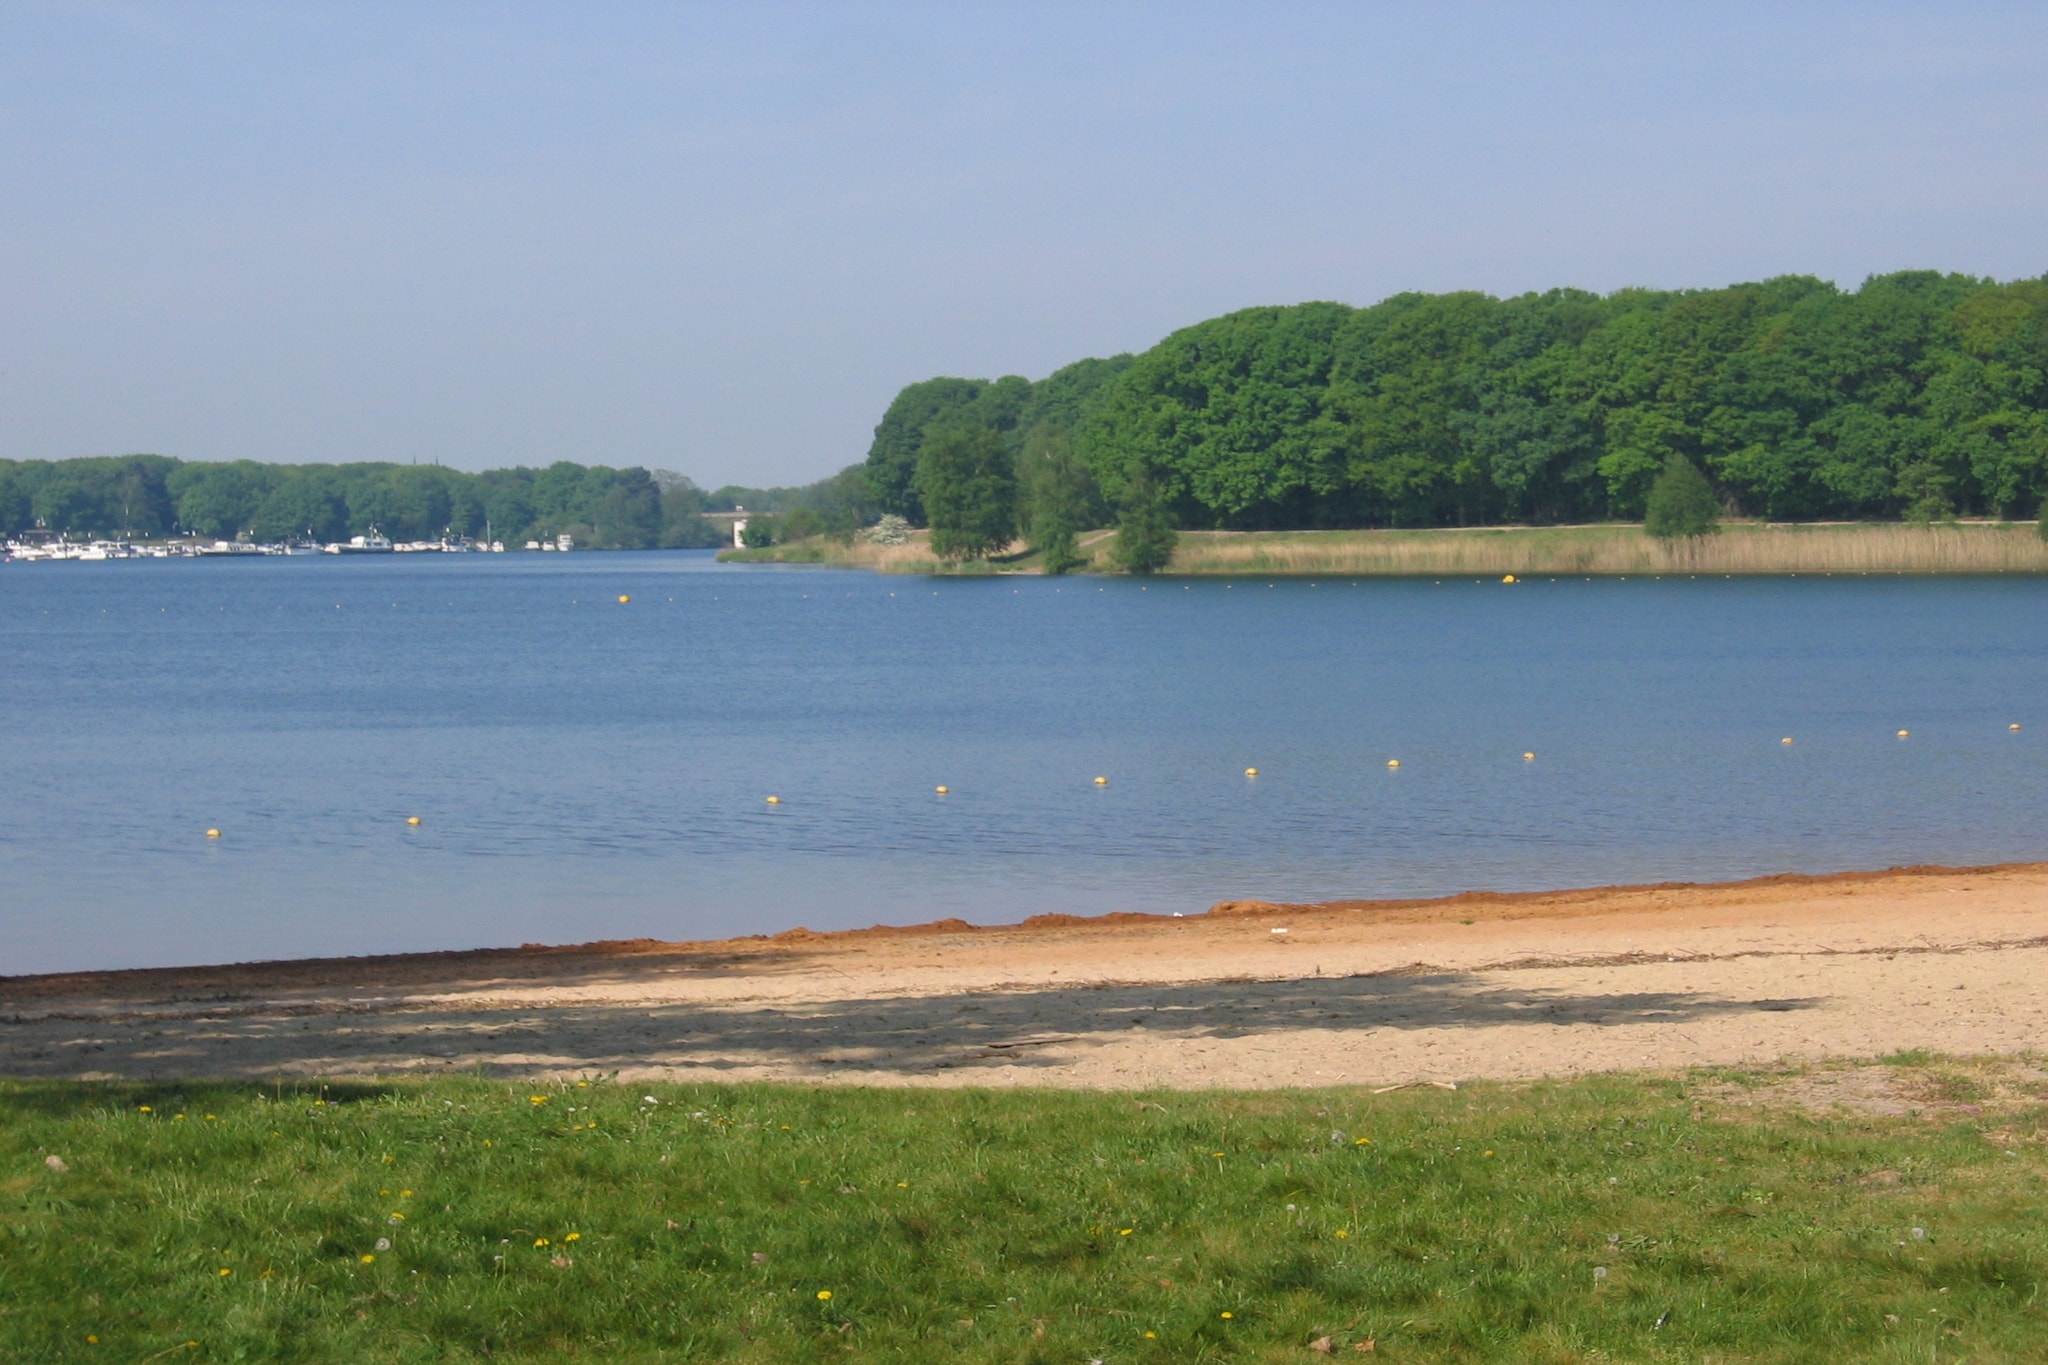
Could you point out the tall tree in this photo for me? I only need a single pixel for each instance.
(968, 487)
(923, 408)
(1145, 537)
(1059, 496)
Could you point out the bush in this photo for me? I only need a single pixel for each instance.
(1682, 502)
(890, 530)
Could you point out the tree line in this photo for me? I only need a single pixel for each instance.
(1919, 395)
(155, 495)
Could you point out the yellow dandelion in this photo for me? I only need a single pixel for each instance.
(824, 1296)
(226, 1271)
(1340, 1234)
(1363, 1142)
(540, 1241)
(1125, 1232)
(177, 1116)
(146, 1109)
(573, 1237)
(405, 1194)
(92, 1341)
(1216, 1154)
(1151, 1336)
(537, 1099)
(583, 1085)
(383, 1192)
(1489, 1151)
(209, 1118)
(397, 1217)
(1226, 1313)
(366, 1258)
(319, 1104)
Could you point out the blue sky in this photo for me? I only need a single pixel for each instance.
(718, 238)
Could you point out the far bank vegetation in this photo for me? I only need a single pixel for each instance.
(1915, 401)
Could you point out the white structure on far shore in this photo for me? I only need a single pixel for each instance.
(739, 529)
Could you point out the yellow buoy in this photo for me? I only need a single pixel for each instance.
(624, 598)
(1786, 740)
(1904, 733)
(774, 800)
(1507, 578)
(1529, 757)
(940, 790)
(1251, 772)
(1102, 782)
(2013, 726)
(1393, 763)
(213, 834)
(412, 819)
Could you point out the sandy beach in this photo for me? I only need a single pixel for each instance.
(1250, 994)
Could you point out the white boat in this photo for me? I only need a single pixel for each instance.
(371, 544)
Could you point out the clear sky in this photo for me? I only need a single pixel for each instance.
(718, 238)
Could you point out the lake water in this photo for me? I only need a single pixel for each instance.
(584, 769)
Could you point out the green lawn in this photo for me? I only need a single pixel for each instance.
(1613, 1218)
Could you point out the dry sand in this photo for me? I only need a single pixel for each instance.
(1251, 994)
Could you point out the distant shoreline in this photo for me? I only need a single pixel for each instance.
(1612, 550)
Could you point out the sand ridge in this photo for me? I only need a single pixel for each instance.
(1252, 994)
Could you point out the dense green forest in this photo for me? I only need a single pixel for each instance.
(154, 495)
(1919, 395)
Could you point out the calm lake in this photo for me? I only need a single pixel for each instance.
(584, 769)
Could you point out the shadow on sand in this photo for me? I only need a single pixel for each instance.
(881, 1038)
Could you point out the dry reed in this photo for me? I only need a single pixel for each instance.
(1957, 548)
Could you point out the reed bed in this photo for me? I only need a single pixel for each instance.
(1954, 548)
(915, 556)
(1742, 548)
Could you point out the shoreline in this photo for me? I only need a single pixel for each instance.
(1248, 995)
(1607, 550)
(1391, 909)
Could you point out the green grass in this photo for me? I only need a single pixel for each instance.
(966, 1225)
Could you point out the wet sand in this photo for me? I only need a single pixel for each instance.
(1250, 994)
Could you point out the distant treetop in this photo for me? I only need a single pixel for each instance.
(1919, 394)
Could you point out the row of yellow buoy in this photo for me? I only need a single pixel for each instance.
(1903, 734)
(1528, 756)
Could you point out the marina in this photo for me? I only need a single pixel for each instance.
(59, 549)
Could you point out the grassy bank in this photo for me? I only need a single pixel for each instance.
(1610, 1218)
(1739, 548)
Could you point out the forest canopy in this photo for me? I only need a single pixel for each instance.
(155, 495)
(1920, 395)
